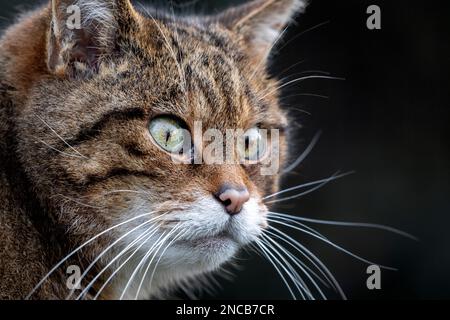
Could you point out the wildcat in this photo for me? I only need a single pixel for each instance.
(89, 120)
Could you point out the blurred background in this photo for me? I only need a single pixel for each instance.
(387, 121)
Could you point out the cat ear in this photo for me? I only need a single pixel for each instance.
(81, 31)
(260, 22)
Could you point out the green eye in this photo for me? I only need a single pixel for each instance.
(253, 145)
(168, 133)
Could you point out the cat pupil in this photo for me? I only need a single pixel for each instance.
(247, 143)
(168, 135)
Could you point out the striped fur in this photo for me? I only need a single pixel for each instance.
(74, 113)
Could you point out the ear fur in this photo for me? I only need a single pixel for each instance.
(81, 32)
(260, 22)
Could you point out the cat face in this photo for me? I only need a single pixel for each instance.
(101, 132)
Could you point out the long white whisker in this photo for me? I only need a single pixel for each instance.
(299, 80)
(347, 224)
(263, 60)
(296, 261)
(157, 245)
(303, 32)
(315, 95)
(272, 216)
(307, 72)
(313, 260)
(107, 249)
(81, 247)
(265, 254)
(59, 151)
(77, 201)
(293, 275)
(305, 192)
(305, 154)
(145, 236)
(136, 269)
(335, 177)
(62, 139)
(125, 191)
(333, 245)
(300, 264)
(321, 267)
(157, 262)
(290, 67)
(148, 266)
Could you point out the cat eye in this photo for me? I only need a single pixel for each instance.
(253, 145)
(168, 133)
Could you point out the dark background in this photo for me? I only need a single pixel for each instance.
(387, 121)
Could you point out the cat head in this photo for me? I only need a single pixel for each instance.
(104, 131)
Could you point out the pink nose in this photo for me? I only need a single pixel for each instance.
(233, 199)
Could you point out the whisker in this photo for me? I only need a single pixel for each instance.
(107, 249)
(61, 138)
(263, 251)
(333, 245)
(271, 215)
(311, 257)
(332, 178)
(149, 264)
(347, 224)
(300, 80)
(136, 269)
(148, 236)
(76, 201)
(157, 245)
(290, 68)
(306, 256)
(306, 95)
(305, 154)
(301, 111)
(59, 151)
(157, 262)
(125, 191)
(81, 247)
(305, 192)
(304, 265)
(269, 51)
(145, 236)
(300, 265)
(306, 72)
(302, 33)
(291, 273)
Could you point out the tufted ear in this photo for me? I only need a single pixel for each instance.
(81, 31)
(260, 22)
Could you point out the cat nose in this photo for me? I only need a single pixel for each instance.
(233, 198)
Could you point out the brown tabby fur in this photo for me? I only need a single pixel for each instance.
(98, 95)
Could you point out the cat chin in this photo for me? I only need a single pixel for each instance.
(209, 239)
(181, 264)
(198, 257)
